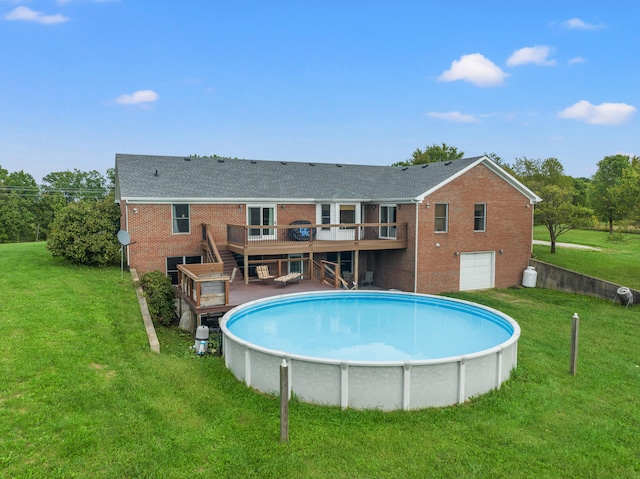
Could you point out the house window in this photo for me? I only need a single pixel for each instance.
(388, 215)
(181, 223)
(261, 216)
(441, 213)
(325, 215)
(347, 214)
(479, 217)
(174, 261)
(295, 266)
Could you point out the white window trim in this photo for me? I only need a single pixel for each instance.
(484, 217)
(387, 205)
(334, 233)
(446, 218)
(174, 219)
(261, 227)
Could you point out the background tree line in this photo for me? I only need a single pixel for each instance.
(74, 211)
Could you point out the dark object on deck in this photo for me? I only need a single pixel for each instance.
(301, 234)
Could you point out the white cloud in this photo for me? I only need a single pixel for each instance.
(28, 15)
(602, 114)
(577, 24)
(474, 68)
(538, 55)
(140, 96)
(573, 61)
(454, 116)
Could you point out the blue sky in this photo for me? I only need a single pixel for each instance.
(362, 82)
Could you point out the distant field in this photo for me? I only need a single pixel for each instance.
(618, 262)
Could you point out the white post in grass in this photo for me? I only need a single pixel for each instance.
(575, 325)
(284, 401)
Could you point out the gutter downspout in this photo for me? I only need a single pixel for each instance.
(415, 253)
(533, 214)
(126, 227)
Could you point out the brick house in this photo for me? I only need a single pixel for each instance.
(457, 225)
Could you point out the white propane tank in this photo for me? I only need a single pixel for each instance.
(202, 339)
(529, 277)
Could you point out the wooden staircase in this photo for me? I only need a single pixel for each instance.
(229, 263)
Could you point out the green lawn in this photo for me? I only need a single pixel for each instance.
(82, 396)
(618, 261)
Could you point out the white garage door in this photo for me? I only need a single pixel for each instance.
(476, 271)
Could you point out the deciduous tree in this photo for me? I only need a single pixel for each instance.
(76, 185)
(432, 154)
(557, 211)
(605, 195)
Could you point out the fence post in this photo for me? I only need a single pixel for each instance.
(284, 401)
(575, 326)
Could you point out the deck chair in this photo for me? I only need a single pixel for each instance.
(348, 284)
(287, 278)
(263, 272)
(368, 278)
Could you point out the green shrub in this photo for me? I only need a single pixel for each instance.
(86, 233)
(160, 297)
(616, 238)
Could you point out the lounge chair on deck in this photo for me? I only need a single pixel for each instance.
(368, 278)
(263, 272)
(287, 278)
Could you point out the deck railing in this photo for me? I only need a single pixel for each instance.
(211, 250)
(280, 235)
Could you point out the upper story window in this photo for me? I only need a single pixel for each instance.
(442, 217)
(325, 214)
(181, 223)
(388, 215)
(347, 214)
(479, 217)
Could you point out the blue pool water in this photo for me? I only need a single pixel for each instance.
(370, 326)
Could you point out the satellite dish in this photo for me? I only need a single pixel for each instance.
(124, 237)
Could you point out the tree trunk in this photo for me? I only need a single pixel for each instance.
(610, 226)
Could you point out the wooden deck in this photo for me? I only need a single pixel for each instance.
(240, 293)
(243, 293)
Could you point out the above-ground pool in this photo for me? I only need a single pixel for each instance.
(371, 349)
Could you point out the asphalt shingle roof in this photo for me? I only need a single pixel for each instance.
(216, 179)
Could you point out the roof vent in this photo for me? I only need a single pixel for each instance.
(253, 162)
(156, 173)
(425, 165)
(447, 163)
(312, 164)
(220, 160)
(405, 168)
(339, 165)
(283, 162)
(187, 159)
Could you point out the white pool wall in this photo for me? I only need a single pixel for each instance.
(371, 384)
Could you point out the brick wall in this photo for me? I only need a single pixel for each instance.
(508, 228)
(152, 230)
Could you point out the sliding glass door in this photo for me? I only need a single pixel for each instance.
(261, 216)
